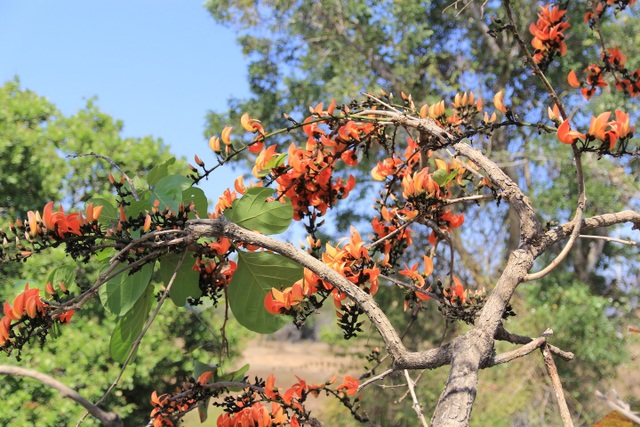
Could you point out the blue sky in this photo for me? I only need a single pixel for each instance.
(157, 65)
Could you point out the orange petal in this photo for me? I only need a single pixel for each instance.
(573, 79)
(499, 104)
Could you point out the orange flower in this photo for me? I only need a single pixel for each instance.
(566, 135)
(251, 125)
(454, 221)
(270, 389)
(622, 125)
(214, 144)
(263, 160)
(225, 135)
(350, 385)
(458, 290)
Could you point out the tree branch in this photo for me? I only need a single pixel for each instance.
(108, 419)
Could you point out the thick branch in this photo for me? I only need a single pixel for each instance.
(221, 227)
(108, 419)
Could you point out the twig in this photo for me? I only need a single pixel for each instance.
(108, 419)
(504, 335)
(134, 193)
(608, 239)
(375, 378)
(557, 386)
(473, 198)
(416, 404)
(393, 233)
(619, 405)
(411, 286)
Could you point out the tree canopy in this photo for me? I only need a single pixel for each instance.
(454, 224)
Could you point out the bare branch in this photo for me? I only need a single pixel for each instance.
(619, 405)
(134, 193)
(609, 239)
(557, 386)
(108, 419)
(375, 378)
(416, 404)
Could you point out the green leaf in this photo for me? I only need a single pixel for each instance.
(168, 190)
(257, 273)
(234, 376)
(109, 214)
(129, 326)
(64, 273)
(274, 162)
(442, 177)
(120, 294)
(159, 171)
(187, 281)
(253, 212)
(137, 207)
(197, 196)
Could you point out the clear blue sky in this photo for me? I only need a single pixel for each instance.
(157, 65)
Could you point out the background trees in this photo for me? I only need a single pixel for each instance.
(433, 50)
(351, 133)
(35, 140)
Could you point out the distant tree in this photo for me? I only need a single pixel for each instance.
(431, 160)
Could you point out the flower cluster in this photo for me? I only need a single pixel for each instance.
(27, 314)
(59, 224)
(607, 133)
(308, 178)
(352, 261)
(613, 62)
(548, 36)
(599, 7)
(388, 223)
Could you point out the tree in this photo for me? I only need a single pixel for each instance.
(434, 162)
(300, 54)
(35, 142)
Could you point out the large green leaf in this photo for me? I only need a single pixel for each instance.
(197, 196)
(159, 171)
(168, 190)
(187, 281)
(253, 212)
(119, 294)
(129, 326)
(257, 273)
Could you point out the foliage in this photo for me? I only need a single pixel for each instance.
(36, 138)
(157, 227)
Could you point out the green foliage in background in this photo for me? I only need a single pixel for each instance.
(35, 140)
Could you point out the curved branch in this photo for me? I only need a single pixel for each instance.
(108, 419)
(224, 228)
